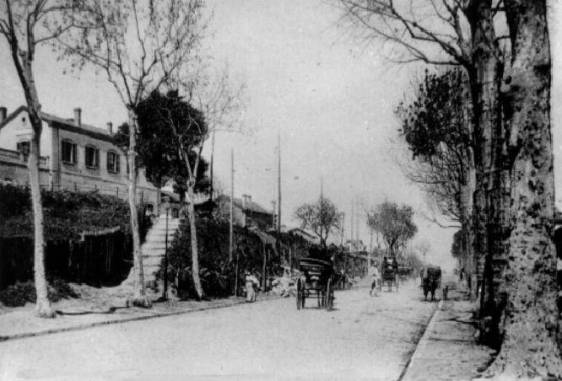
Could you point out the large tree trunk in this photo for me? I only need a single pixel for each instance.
(467, 209)
(140, 298)
(484, 77)
(530, 317)
(193, 239)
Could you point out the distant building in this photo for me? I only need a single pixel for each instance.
(307, 236)
(246, 213)
(74, 156)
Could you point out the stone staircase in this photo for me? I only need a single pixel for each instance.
(153, 249)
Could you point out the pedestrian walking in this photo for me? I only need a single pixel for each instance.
(376, 279)
(251, 285)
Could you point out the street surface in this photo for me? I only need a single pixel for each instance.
(364, 338)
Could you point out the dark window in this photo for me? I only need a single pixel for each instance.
(92, 158)
(68, 152)
(113, 161)
(23, 148)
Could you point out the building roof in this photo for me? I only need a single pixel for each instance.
(305, 235)
(67, 124)
(251, 206)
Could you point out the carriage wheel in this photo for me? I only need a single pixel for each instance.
(300, 295)
(329, 295)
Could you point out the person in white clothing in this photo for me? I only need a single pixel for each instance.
(251, 284)
(376, 278)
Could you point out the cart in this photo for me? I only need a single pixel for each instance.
(389, 273)
(316, 280)
(431, 281)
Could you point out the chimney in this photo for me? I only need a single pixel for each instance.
(78, 116)
(110, 128)
(3, 113)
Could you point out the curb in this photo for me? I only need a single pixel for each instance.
(117, 321)
(422, 341)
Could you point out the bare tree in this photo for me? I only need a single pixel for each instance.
(448, 32)
(25, 26)
(221, 104)
(139, 47)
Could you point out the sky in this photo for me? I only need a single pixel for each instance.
(329, 97)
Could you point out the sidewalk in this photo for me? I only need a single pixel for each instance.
(22, 323)
(447, 350)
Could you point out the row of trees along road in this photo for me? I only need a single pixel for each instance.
(502, 46)
(139, 48)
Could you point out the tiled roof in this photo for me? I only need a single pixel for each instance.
(68, 123)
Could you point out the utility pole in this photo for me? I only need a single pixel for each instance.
(356, 221)
(212, 164)
(352, 221)
(321, 208)
(342, 233)
(231, 229)
(278, 185)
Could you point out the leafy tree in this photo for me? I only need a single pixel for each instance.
(437, 127)
(394, 223)
(181, 131)
(139, 46)
(321, 217)
(25, 25)
(157, 154)
(457, 245)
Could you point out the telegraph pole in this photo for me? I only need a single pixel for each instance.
(321, 207)
(278, 185)
(212, 163)
(356, 221)
(352, 221)
(231, 229)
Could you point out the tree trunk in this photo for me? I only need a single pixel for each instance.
(264, 267)
(193, 239)
(484, 77)
(43, 305)
(25, 74)
(467, 209)
(530, 317)
(140, 298)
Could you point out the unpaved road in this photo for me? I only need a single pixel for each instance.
(364, 338)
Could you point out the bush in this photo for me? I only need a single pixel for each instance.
(67, 214)
(218, 275)
(20, 293)
(97, 260)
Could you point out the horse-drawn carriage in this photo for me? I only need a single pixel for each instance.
(317, 280)
(389, 273)
(431, 281)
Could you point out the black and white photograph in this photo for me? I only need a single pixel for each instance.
(281, 190)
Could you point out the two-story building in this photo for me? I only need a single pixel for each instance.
(73, 156)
